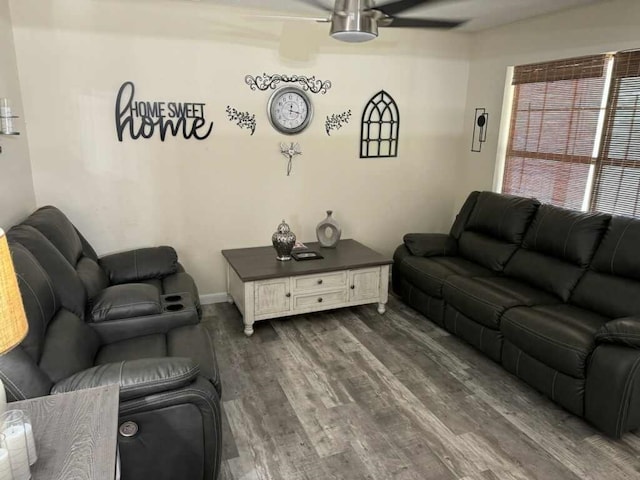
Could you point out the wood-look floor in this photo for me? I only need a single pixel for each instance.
(351, 394)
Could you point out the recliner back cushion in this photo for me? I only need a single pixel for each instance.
(495, 228)
(70, 346)
(64, 278)
(503, 217)
(54, 225)
(611, 287)
(566, 234)
(557, 248)
(92, 276)
(38, 296)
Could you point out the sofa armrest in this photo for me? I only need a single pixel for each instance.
(430, 244)
(140, 264)
(136, 378)
(621, 331)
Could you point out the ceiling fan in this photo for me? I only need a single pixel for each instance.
(358, 20)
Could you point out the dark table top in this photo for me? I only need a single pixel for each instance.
(260, 263)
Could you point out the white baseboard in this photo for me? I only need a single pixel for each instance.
(209, 298)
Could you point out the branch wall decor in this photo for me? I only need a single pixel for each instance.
(242, 119)
(380, 127)
(266, 82)
(143, 118)
(336, 121)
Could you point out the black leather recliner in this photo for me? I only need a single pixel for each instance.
(164, 362)
(552, 294)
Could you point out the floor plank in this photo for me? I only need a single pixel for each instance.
(351, 394)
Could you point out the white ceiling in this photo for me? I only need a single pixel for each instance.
(481, 14)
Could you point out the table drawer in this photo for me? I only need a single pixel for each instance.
(320, 281)
(319, 300)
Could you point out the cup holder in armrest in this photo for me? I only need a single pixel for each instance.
(175, 302)
(174, 307)
(173, 298)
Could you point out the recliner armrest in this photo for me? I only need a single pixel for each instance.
(430, 244)
(136, 378)
(140, 264)
(622, 331)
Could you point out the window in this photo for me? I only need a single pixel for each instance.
(617, 180)
(574, 137)
(556, 111)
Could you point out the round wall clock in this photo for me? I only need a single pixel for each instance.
(290, 110)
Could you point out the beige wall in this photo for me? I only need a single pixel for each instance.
(231, 190)
(16, 186)
(604, 27)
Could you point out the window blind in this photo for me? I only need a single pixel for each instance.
(554, 120)
(617, 181)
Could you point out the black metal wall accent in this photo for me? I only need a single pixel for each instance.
(380, 127)
(480, 120)
(242, 119)
(336, 121)
(266, 82)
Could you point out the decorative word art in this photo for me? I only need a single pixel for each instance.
(143, 118)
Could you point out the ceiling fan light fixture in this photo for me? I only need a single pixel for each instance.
(354, 28)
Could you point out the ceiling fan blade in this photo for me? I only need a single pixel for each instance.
(291, 17)
(317, 3)
(399, 6)
(422, 23)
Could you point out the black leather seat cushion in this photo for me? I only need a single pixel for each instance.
(485, 299)
(429, 274)
(560, 336)
(192, 341)
(125, 301)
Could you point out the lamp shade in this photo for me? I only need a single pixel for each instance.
(13, 321)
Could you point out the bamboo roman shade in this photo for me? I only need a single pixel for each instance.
(617, 181)
(554, 120)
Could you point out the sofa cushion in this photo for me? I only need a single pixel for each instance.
(147, 346)
(429, 274)
(430, 244)
(192, 341)
(64, 278)
(608, 295)
(503, 217)
(38, 297)
(566, 234)
(485, 250)
(91, 276)
(485, 299)
(560, 336)
(618, 252)
(70, 345)
(125, 301)
(54, 225)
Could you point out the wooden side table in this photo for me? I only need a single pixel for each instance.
(75, 434)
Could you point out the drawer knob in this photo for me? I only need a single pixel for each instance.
(320, 282)
(288, 294)
(353, 287)
(320, 300)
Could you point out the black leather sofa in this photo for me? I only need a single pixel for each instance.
(129, 318)
(552, 294)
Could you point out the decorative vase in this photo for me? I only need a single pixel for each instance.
(283, 241)
(328, 231)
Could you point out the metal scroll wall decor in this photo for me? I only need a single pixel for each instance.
(336, 121)
(380, 127)
(266, 82)
(140, 118)
(481, 118)
(243, 119)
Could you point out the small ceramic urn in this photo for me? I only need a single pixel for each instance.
(328, 231)
(283, 241)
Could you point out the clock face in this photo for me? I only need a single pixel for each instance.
(290, 110)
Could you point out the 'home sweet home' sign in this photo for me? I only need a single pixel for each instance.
(143, 118)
